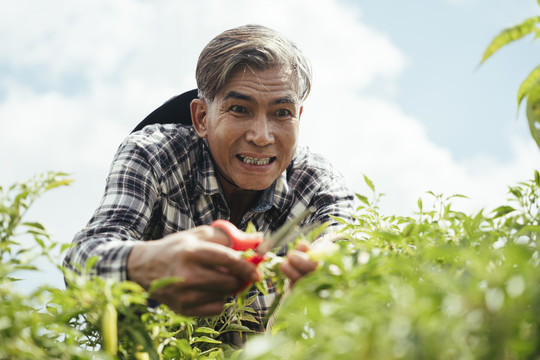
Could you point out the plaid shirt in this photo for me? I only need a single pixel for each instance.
(162, 180)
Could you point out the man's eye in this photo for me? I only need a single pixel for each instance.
(237, 109)
(283, 113)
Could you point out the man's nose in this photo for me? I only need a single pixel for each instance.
(260, 131)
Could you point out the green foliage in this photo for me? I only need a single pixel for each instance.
(511, 34)
(27, 329)
(533, 111)
(439, 285)
(14, 203)
(528, 84)
(530, 87)
(95, 318)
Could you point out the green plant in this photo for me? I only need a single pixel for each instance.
(93, 318)
(27, 329)
(439, 285)
(530, 87)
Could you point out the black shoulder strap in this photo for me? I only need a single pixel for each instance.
(175, 110)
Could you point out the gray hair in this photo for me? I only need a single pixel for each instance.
(250, 46)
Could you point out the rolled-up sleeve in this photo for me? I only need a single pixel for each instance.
(333, 200)
(125, 210)
(316, 183)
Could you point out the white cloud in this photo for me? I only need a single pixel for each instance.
(374, 137)
(134, 55)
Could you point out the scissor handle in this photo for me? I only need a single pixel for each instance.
(240, 240)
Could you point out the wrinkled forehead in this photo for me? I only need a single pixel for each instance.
(281, 74)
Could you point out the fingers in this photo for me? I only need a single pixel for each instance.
(210, 280)
(289, 271)
(207, 246)
(300, 260)
(212, 234)
(303, 246)
(298, 263)
(209, 269)
(220, 257)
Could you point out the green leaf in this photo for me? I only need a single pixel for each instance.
(171, 352)
(248, 302)
(52, 310)
(510, 34)
(27, 267)
(369, 183)
(386, 235)
(64, 247)
(262, 287)
(91, 263)
(58, 183)
(408, 230)
(237, 327)
(527, 84)
(248, 317)
(251, 228)
(528, 229)
(205, 339)
(206, 330)
(131, 286)
(184, 347)
(458, 196)
(503, 210)
(516, 191)
(533, 111)
(143, 338)
(161, 283)
(40, 242)
(35, 225)
(536, 174)
(363, 199)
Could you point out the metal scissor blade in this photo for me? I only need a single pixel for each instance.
(282, 235)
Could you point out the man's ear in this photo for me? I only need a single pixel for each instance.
(199, 111)
(300, 112)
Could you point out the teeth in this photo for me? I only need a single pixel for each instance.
(255, 161)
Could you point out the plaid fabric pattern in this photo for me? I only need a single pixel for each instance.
(162, 180)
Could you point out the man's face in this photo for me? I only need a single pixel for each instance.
(252, 127)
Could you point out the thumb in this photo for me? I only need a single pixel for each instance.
(217, 236)
(302, 246)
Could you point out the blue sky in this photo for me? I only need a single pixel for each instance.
(468, 109)
(397, 94)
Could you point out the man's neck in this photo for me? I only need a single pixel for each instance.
(238, 200)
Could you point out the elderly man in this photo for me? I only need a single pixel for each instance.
(239, 161)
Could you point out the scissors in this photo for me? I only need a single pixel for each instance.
(241, 241)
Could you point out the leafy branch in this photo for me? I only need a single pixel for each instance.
(530, 87)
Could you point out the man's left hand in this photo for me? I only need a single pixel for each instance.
(298, 263)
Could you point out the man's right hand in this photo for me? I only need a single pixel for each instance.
(209, 269)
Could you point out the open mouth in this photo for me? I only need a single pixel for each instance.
(256, 161)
